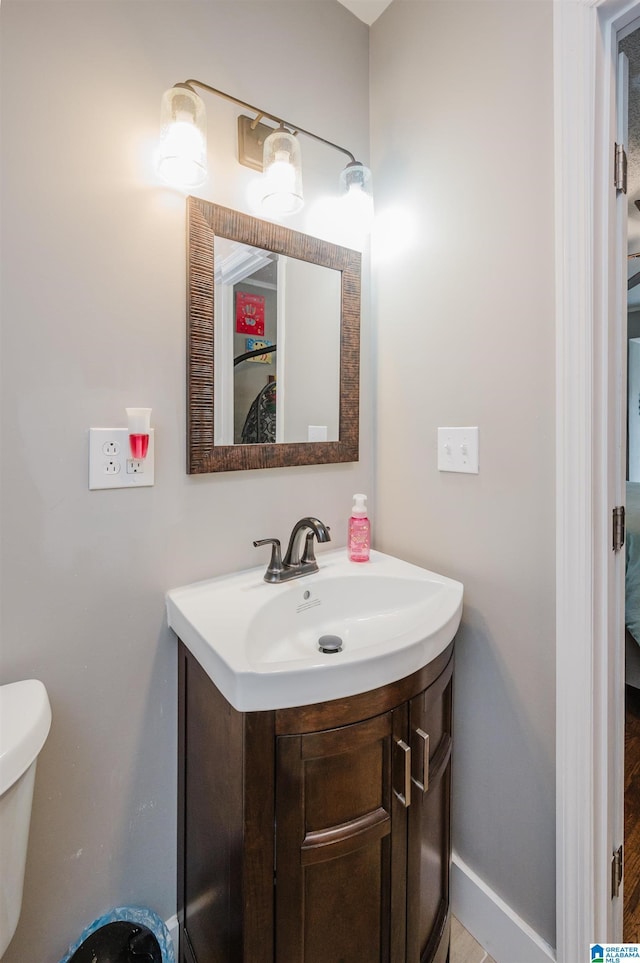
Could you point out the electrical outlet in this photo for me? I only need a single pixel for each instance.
(110, 462)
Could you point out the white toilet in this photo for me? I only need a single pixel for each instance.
(25, 718)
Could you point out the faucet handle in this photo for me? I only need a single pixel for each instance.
(275, 567)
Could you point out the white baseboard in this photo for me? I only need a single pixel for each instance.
(503, 934)
(172, 926)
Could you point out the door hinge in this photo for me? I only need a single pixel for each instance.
(618, 528)
(620, 168)
(617, 867)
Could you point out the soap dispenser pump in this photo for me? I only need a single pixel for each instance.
(359, 530)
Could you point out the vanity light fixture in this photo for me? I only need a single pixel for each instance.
(356, 194)
(281, 191)
(275, 152)
(182, 155)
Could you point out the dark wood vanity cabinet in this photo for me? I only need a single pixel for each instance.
(296, 843)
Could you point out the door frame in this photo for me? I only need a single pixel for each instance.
(589, 671)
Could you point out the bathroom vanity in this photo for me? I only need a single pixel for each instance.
(318, 833)
(315, 782)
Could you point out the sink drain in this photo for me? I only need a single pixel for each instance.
(330, 644)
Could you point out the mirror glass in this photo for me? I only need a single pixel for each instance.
(290, 392)
(273, 342)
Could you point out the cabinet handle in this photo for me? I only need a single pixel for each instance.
(423, 738)
(404, 794)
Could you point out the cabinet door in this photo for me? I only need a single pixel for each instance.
(429, 837)
(340, 845)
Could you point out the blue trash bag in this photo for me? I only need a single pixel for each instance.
(107, 939)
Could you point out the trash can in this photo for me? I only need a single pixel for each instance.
(127, 934)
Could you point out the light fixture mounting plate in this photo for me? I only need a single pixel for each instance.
(251, 142)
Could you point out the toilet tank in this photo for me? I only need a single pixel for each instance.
(25, 719)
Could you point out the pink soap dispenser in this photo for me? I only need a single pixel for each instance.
(359, 530)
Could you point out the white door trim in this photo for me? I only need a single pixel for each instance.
(576, 764)
(584, 41)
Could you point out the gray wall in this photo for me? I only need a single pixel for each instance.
(93, 311)
(462, 136)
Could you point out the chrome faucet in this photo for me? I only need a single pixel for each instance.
(299, 558)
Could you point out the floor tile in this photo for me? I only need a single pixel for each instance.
(464, 949)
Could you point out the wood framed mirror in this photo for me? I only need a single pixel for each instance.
(273, 344)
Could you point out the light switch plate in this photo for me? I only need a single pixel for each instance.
(316, 432)
(458, 450)
(111, 464)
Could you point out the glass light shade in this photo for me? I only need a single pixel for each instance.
(357, 195)
(282, 177)
(182, 155)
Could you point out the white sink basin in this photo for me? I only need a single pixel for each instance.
(258, 642)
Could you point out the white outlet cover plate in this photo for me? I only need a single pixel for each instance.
(458, 450)
(108, 455)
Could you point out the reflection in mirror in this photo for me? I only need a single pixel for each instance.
(290, 391)
(255, 323)
(282, 311)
